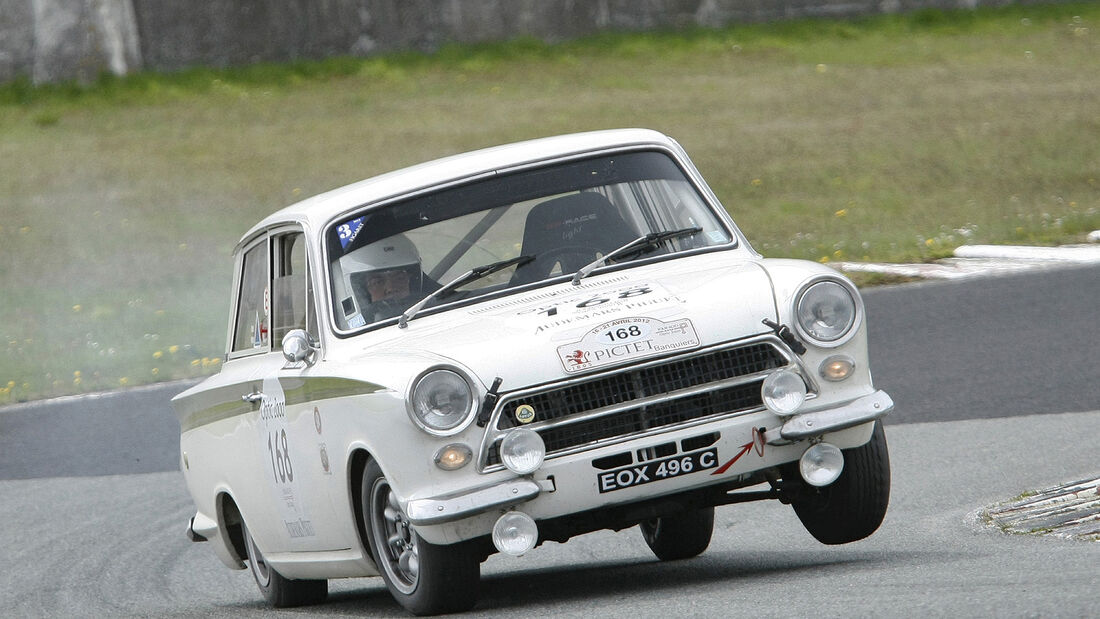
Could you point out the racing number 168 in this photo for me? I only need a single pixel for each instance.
(280, 457)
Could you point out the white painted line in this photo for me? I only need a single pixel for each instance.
(983, 260)
(1066, 253)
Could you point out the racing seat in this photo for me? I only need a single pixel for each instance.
(570, 232)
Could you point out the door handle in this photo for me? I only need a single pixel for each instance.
(253, 397)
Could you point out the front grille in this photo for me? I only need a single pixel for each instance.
(565, 416)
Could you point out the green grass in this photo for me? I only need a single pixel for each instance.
(889, 138)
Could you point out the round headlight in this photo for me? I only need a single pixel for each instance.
(826, 312)
(522, 451)
(442, 402)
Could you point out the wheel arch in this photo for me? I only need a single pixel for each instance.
(231, 527)
(357, 464)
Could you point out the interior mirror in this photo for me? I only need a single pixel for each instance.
(298, 345)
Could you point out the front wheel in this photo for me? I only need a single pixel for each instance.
(852, 507)
(681, 536)
(279, 591)
(424, 578)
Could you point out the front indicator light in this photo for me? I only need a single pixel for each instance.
(837, 368)
(453, 457)
(522, 451)
(821, 464)
(515, 533)
(783, 392)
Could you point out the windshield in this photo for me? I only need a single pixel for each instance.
(563, 217)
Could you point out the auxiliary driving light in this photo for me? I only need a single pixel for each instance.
(821, 464)
(783, 392)
(515, 533)
(522, 451)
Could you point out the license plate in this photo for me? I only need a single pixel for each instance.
(656, 470)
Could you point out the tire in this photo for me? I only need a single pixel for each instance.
(681, 536)
(852, 507)
(426, 579)
(279, 591)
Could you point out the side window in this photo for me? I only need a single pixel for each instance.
(291, 287)
(251, 327)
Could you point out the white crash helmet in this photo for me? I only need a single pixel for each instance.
(395, 252)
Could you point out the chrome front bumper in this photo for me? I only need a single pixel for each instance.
(438, 510)
(858, 411)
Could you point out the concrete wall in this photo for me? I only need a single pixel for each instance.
(55, 40)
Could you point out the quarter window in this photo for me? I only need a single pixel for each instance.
(252, 324)
(276, 293)
(291, 286)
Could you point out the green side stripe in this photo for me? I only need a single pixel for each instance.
(226, 402)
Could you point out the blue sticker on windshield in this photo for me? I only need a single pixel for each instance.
(348, 231)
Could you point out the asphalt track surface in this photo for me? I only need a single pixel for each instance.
(997, 387)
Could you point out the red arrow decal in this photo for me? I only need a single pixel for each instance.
(757, 442)
(725, 467)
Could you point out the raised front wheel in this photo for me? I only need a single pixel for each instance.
(852, 507)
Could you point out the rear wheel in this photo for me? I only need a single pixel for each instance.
(852, 507)
(279, 591)
(680, 536)
(426, 579)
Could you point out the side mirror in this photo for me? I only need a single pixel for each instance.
(300, 346)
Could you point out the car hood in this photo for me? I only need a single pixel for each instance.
(562, 331)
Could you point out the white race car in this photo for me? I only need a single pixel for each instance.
(514, 345)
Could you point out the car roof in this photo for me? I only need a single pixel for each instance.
(318, 210)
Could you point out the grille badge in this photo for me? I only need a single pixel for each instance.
(525, 413)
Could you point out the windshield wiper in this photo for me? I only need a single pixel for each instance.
(640, 244)
(472, 275)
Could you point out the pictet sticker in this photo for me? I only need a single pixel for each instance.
(625, 339)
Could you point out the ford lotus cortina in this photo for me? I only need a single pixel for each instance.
(514, 345)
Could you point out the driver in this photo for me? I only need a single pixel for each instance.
(385, 277)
